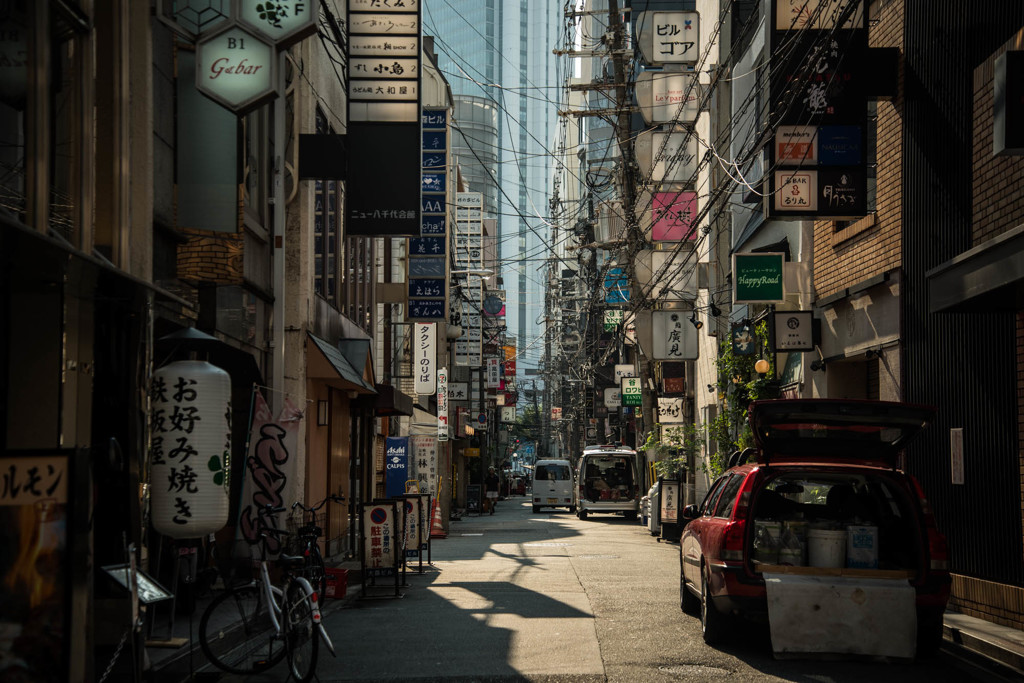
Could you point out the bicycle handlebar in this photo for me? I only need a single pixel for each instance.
(332, 497)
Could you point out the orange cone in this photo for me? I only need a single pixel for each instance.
(436, 526)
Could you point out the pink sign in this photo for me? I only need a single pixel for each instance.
(672, 215)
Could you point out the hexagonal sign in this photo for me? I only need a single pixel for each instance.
(236, 69)
(282, 22)
(193, 18)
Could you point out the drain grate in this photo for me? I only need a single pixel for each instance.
(694, 671)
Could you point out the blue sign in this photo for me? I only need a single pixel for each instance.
(426, 287)
(426, 266)
(396, 465)
(426, 246)
(427, 309)
(839, 145)
(432, 182)
(432, 203)
(435, 161)
(434, 118)
(616, 286)
(434, 140)
(432, 225)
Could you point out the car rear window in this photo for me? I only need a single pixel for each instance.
(727, 501)
(552, 472)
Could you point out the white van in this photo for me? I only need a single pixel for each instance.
(607, 481)
(552, 484)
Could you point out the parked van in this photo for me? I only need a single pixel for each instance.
(552, 484)
(607, 481)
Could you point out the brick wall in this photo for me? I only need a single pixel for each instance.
(214, 257)
(872, 245)
(996, 602)
(998, 200)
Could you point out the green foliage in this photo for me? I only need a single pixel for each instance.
(740, 384)
(675, 449)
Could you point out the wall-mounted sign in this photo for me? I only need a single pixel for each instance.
(425, 357)
(668, 37)
(281, 22)
(493, 373)
(757, 278)
(793, 330)
(612, 398)
(236, 69)
(673, 336)
(667, 157)
(613, 318)
(631, 391)
(508, 414)
(458, 391)
(442, 404)
(672, 216)
(668, 96)
(556, 413)
(670, 410)
(624, 370)
(616, 286)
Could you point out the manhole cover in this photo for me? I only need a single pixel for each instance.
(598, 557)
(694, 671)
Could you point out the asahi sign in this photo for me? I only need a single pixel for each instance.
(235, 68)
(757, 278)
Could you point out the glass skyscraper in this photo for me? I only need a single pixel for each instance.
(500, 52)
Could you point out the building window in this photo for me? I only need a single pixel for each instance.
(326, 227)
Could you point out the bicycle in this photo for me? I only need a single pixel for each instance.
(253, 626)
(308, 536)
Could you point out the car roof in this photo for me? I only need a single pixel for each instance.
(857, 432)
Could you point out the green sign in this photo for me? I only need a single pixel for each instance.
(632, 391)
(757, 278)
(612, 319)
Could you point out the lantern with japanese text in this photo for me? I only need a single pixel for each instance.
(190, 454)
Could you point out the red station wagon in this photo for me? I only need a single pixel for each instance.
(820, 465)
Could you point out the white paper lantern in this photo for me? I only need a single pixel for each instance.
(191, 449)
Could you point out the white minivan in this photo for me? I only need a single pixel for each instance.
(607, 481)
(552, 484)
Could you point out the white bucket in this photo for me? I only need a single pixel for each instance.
(791, 556)
(826, 548)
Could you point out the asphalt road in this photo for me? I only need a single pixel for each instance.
(545, 597)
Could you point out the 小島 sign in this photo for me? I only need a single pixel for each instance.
(235, 69)
(631, 391)
(757, 278)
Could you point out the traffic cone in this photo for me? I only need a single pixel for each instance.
(436, 525)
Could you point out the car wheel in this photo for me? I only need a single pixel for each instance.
(582, 514)
(572, 509)
(630, 514)
(536, 509)
(714, 624)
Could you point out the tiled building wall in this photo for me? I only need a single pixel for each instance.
(872, 245)
(211, 257)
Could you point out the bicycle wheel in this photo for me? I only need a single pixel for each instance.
(314, 570)
(236, 632)
(300, 632)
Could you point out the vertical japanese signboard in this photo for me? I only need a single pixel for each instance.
(425, 360)
(668, 37)
(631, 391)
(493, 373)
(427, 272)
(424, 459)
(818, 155)
(674, 338)
(385, 162)
(442, 404)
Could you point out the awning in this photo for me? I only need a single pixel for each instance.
(391, 401)
(986, 279)
(336, 365)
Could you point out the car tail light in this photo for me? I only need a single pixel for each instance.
(733, 540)
(938, 549)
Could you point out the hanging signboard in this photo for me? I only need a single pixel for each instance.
(236, 69)
(442, 404)
(508, 414)
(631, 391)
(668, 37)
(757, 278)
(670, 410)
(673, 336)
(613, 318)
(672, 216)
(668, 96)
(283, 22)
(667, 156)
(613, 398)
(425, 345)
(423, 458)
(556, 413)
(793, 331)
(616, 286)
(624, 370)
